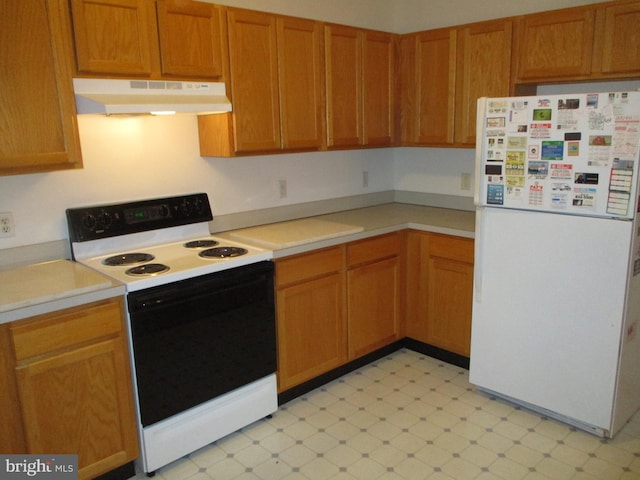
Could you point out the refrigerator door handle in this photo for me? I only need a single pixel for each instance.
(478, 267)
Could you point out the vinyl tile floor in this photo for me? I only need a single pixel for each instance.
(409, 416)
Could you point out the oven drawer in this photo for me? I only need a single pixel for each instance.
(65, 329)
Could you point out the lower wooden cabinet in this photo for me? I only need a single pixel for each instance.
(335, 305)
(311, 326)
(72, 376)
(340, 303)
(439, 290)
(373, 293)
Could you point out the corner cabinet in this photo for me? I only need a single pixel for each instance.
(311, 322)
(360, 88)
(275, 87)
(38, 125)
(439, 290)
(74, 390)
(149, 38)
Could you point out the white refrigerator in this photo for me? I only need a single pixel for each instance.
(556, 305)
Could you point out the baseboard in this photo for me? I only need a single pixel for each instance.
(411, 344)
(125, 471)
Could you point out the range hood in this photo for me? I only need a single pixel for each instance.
(107, 96)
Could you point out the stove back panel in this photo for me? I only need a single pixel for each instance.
(110, 220)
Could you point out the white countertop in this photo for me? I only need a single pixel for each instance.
(297, 236)
(51, 286)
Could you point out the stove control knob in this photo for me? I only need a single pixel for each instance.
(104, 220)
(186, 207)
(163, 210)
(198, 205)
(89, 221)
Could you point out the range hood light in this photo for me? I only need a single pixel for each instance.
(163, 112)
(108, 96)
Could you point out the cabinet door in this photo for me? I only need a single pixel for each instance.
(617, 51)
(431, 76)
(373, 306)
(86, 415)
(311, 329)
(190, 38)
(254, 80)
(449, 304)
(115, 36)
(343, 64)
(300, 75)
(439, 290)
(555, 45)
(38, 124)
(378, 76)
(483, 70)
(74, 385)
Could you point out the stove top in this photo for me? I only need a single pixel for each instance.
(154, 242)
(180, 262)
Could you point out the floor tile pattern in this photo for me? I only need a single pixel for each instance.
(408, 416)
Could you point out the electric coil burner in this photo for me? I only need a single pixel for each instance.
(223, 252)
(127, 259)
(201, 316)
(148, 269)
(200, 244)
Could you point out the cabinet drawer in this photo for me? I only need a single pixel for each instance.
(455, 248)
(309, 265)
(64, 329)
(373, 249)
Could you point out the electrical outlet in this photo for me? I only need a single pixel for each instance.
(7, 226)
(365, 179)
(465, 181)
(283, 188)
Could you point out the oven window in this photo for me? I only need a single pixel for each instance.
(199, 338)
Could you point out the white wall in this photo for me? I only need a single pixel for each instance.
(127, 158)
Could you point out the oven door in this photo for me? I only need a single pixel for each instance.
(199, 338)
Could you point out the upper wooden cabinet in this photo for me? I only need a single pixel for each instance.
(148, 38)
(584, 43)
(617, 40)
(343, 66)
(275, 87)
(38, 126)
(191, 38)
(427, 87)
(300, 82)
(253, 58)
(360, 89)
(443, 73)
(555, 44)
(379, 88)
(483, 69)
